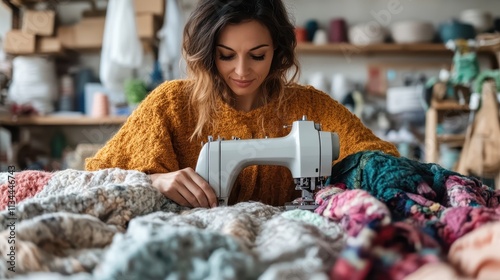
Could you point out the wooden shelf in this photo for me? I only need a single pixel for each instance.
(456, 140)
(60, 54)
(449, 106)
(147, 44)
(28, 3)
(60, 120)
(388, 48)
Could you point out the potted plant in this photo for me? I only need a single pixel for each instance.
(135, 91)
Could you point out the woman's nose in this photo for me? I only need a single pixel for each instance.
(241, 68)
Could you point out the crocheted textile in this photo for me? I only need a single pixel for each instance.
(163, 123)
(30, 183)
(400, 214)
(112, 224)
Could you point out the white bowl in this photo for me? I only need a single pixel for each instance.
(404, 32)
(481, 20)
(367, 33)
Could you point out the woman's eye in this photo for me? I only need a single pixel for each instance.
(225, 57)
(258, 57)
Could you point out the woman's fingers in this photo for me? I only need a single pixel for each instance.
(193, 194)
(185, 187)
(179, 199)
(208, 191)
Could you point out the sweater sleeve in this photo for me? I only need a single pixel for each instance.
(353, 134)
(144, 141)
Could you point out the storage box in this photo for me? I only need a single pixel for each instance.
(155, 7)
(18, 42)
(147, 25)
(66, 35)
(39, 22)
(48, 45)
(87, 34)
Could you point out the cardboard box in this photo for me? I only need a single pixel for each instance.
(87, 34)
(147, 25)
(39, 22)
(155, 7)
(48, 45)
(18, 42)
(66, 35)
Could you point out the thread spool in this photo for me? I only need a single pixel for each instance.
(320, 37)
(300, 34)
(67, 90)
(311, 27)
(338, 31)
(100, 105)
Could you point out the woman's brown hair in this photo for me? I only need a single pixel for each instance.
(199, 45)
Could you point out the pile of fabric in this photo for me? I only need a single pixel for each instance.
(112, 224)
(380, 217)
(402, 215)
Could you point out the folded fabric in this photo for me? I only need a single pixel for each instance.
(476, 254)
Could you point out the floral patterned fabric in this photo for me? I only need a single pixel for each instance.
(400, 214)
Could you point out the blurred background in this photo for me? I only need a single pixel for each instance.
(72, 71)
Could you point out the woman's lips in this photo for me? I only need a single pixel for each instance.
(242, 84)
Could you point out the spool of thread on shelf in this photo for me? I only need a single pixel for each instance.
(100, 105)
(301, 34)
(311, 26)
(67, 98)
(338, 31)
(320, 37)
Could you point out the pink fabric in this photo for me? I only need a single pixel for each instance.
(433, 271)
(477, 254)
(27, 184)
(397, 240)
(458, 221)
(354, 209)
(461, 192)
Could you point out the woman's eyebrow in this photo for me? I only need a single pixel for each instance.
(252, 49)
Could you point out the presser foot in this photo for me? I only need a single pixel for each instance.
(304, 203)
(303, 206)
(222, 201)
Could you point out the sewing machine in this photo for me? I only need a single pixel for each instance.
(306, 151)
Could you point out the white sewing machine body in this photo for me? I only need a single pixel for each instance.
(306, 151)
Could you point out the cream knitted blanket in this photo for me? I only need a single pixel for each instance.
(112, 224)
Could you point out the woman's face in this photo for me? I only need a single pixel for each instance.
(244, 53)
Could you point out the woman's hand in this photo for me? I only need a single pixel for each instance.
(185, 187)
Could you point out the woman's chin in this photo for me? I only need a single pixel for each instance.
(243, 92)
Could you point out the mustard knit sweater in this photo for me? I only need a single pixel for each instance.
(155, 138)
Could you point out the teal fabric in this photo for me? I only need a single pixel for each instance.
(389, 178)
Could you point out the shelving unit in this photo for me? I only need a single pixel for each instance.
(437, 110)
(60, 120)
(493, 52)
(16, 5)
(390, 48)
(432, 140)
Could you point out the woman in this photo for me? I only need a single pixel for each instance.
(241, 66)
